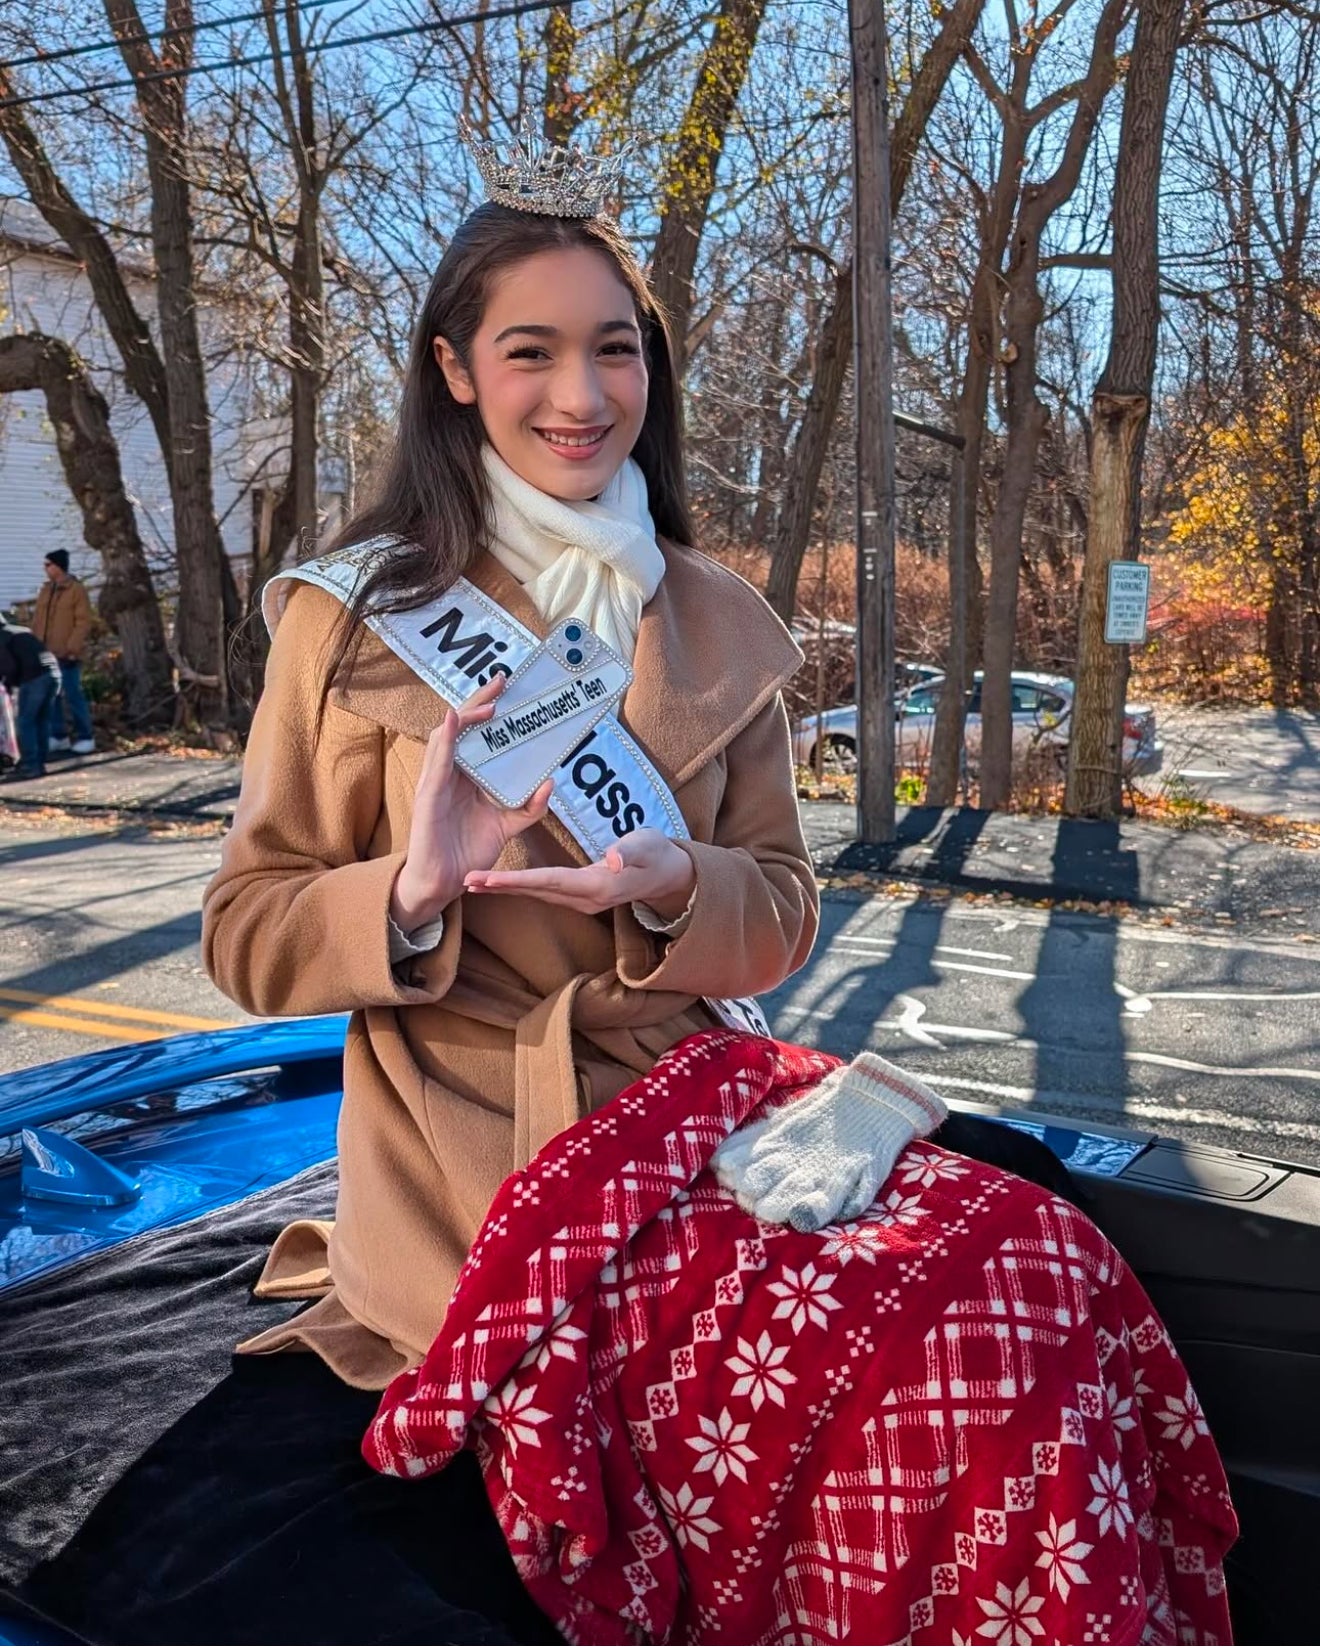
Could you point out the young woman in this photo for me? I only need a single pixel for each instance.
(501, 981)
(502, 984)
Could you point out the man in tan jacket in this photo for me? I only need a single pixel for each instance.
(63, 623)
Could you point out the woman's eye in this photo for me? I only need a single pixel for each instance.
(529, 351)
(621, 349)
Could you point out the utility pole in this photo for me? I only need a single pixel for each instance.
(874, 385)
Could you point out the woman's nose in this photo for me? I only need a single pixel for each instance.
(577, 391)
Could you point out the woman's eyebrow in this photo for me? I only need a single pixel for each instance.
(532, 331)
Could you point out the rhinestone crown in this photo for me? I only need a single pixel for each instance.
(532, 175)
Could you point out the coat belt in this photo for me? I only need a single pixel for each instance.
(546, 1098)
(546, 1094)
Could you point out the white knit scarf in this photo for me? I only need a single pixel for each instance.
(598, 560)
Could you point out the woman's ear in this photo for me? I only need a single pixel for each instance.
(456, 374)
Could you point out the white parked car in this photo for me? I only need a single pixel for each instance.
(1042, 705)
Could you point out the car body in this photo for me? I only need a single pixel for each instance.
(1227, 1245)
(1042, 708)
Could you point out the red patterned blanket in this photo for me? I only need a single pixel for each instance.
(956, 1419)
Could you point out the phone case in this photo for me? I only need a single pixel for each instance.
(549, 705)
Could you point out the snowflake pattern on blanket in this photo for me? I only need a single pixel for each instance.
(956, 1419)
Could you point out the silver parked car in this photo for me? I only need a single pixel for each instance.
(1042, 705)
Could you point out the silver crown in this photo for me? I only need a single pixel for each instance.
(532, 175)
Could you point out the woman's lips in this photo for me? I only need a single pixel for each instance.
(568, 445)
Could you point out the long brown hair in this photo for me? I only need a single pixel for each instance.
(433, 496)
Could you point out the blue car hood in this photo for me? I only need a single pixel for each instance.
(190, 1123)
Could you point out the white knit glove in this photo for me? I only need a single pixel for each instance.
(822, 1158)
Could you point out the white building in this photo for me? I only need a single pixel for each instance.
(43, 288)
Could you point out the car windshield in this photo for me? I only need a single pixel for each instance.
(921, 700)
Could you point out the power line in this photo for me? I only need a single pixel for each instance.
(40, 58)
(491, 15)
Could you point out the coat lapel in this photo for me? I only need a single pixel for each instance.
(710, 655)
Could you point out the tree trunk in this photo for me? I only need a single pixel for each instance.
(90, 459)
(297, 519)
(1298, 387)
(946, 740)
(144, 370)
(802, 474)
(1303, 532)
(1279, 630)
(200, 630)
(1026, 423)
(1308, 651)
(965, 585)
(1121, 411)
(688, 183)
(802, 477)
(558, 40)
(1095, 752)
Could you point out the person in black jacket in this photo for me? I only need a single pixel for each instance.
(28, 669)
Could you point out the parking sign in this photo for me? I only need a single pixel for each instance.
(1129, 598)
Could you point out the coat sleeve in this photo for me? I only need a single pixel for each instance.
(296, 919)
(82, 622)
(755, 907)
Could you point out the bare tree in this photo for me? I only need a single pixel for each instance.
(1258, 147)
(161, 81)
(1024, 308)
(89, 456)
(688, 182)
(834, 345)
(993, 218)
(144, 368)
(295, 516)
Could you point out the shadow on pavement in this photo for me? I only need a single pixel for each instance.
(114, 955)
(1072, 1010)
(840, 1014)
(27, 852)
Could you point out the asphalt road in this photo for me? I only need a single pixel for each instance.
(99, 932)
(1211, 1038)
(1206, 1036)
(1262, 760)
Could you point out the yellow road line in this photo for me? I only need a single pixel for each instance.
(112, 1010)
(83, 1027)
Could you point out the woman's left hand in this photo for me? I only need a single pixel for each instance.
(646, 867)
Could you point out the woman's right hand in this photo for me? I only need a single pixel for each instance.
(456, 827)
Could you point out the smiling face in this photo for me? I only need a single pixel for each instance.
(557, 371)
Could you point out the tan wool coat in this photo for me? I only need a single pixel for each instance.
(63, 619)
(462, 1063)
